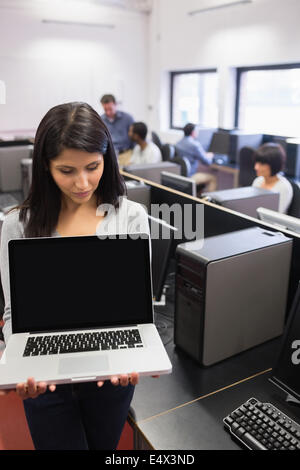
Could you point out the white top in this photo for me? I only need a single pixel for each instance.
(151, 154)
(283, 187)
(129, 218)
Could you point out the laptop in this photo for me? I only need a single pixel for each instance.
(81, 310)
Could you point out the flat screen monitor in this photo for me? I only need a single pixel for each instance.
(162, 236)
(178, 182)
(286, 373)
(220, 143)
(279, 220)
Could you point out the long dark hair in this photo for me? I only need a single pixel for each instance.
(67, 126)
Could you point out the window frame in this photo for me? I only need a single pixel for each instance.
(241, 70)
(173, 74)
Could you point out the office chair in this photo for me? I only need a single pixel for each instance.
(247, 173)
(294, 208)
(156, 140)
(184, 164)
(168, 152)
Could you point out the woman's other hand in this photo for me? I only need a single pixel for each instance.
(123, 380)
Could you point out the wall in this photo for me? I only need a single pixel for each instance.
(265, 32)
(46, 64)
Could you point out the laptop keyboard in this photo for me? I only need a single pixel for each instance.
(82, 342)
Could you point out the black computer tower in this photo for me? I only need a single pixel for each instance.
(292, 165)
(230, 292)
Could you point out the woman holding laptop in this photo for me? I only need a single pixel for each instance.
(74, 171)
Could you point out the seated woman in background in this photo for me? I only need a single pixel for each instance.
(269, 161)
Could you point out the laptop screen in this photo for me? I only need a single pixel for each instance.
(79, 282)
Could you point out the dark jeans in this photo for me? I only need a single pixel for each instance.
(79, 417)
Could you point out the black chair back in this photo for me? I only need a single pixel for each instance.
(247, 173)
(168, 152)
(156, 140)
(294, 208)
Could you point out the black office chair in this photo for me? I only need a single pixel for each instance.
(168, 152)
(184, 164)
(246, 162)
(294, 208)
(156, 140)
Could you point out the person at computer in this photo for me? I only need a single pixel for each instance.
(144, 151)
(269, 160)
(74, 170)
(192, 149)
(118, 123)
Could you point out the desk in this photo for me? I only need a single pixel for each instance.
(227, 175)
(178, 411)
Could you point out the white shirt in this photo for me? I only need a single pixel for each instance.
(151, 154)
(283, 187)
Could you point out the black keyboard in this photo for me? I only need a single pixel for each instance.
(82, 342)
(262, 426)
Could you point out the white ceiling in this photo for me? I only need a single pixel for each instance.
(141, 6)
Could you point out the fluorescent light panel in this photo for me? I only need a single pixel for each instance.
(78, 23)
(218, 7)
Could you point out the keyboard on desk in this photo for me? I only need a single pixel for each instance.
(82, 342)
(220, 159)
(262, 426)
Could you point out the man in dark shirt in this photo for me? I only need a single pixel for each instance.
(191, 148)
(118, 124)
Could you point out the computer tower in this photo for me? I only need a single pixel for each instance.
(245, 200)
(10, 166)
(292, 164)
(240, 139)
(26, 171)
(230, 292)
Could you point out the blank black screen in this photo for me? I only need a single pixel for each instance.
(287, 371)
(185, 185)
(220, 143)
(69, 283)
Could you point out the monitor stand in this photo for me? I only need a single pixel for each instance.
(292, 401)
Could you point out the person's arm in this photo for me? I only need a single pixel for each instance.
(12, 228)
(201, 155)
(285, 195)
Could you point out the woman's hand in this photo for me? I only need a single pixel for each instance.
(123, 380)
(31, 389)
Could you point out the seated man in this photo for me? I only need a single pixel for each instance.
(143, 152)
(118, 124)
(191, 148)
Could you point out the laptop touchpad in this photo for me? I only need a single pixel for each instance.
(70, 365)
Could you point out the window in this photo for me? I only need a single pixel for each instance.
(194, 98)
(268, 99)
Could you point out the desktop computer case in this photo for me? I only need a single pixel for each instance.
(245, 200)
(231, 294)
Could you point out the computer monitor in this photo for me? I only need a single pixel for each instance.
(220, 143)
(286, 372)
(152, 171)
(178, 182)
(162, 235)
(279, 220)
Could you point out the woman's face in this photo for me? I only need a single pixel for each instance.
(77, 174)
(262, 169)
